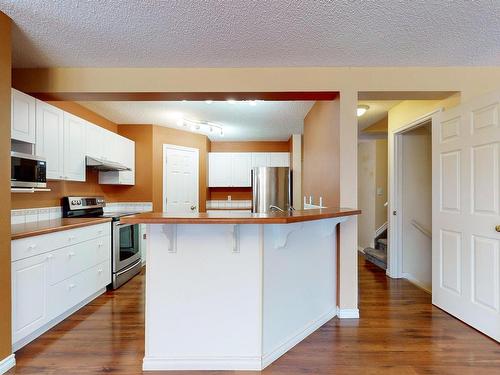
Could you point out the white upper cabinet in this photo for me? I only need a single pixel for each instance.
(219, 169)
(50, 138)
(74, 147)
(94, 141)
(261, 159)
(241, 166)
(279, 159)
(123, 152)
(22, 117)
(233, 169)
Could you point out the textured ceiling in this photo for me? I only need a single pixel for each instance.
(238, 33)
(240, 121)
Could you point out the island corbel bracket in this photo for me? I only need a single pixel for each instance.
(170, 230)
(235, 231)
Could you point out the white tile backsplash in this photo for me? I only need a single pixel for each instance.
(31, 215)
(228, 204)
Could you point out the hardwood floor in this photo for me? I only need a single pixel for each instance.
(399, 332)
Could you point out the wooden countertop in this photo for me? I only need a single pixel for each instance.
(239, 217)
(49, 226)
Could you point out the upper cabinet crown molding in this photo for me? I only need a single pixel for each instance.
(22, 117)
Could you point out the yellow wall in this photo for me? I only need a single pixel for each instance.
(5, 298)
(381, 165)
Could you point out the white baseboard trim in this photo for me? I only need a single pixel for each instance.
(209, 363)
(7, 363)
(33, 335)
(347, 313)
(412, 279)
(294, 339)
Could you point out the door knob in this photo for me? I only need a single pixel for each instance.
(193, 208)
(497, 228)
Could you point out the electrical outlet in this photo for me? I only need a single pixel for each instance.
(228, 197)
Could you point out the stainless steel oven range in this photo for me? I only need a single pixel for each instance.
(125, 238)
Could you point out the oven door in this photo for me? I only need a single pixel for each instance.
(126, 245)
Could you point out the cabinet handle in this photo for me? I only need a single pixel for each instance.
(71, 254)
(49, 257)
(100, 244)
(31, 247)
(99, 271)
(497, 228)
(71, 286)
(71, 238)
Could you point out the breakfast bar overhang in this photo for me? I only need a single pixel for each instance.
(236, 291)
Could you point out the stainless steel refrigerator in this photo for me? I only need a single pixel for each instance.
(271, 189)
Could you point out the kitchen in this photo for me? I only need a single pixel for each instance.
(77, 176)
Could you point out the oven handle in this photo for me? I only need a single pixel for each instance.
(128, 268)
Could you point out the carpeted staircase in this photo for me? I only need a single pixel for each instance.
(378, 256)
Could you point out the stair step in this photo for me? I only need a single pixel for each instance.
(376, 256)
(382, 241)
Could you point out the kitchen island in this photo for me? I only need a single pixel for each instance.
(235, 291)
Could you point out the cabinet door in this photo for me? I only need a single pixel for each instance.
(74, 148)
(241, 166)
(22, 117)
(219, 169)
(49, 138)
(128, 159)
(94, 140)
(280, 159)
(261, 159)
(29, 295)
(110, 145)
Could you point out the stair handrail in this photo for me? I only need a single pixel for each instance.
(421, 228)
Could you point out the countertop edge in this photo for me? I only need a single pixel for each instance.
(56, 228)
(239, 220)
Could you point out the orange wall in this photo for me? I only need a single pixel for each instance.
(163, 135)
(257, 146)
(5, 79)
(321, 155)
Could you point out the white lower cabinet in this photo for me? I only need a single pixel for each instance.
(54, 280)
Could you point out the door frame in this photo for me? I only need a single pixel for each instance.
(395, 221)
(166, 147)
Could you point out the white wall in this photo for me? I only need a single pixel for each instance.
(366, 193)
(417, 205)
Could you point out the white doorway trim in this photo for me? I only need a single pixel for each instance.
(395, 245)
(164, 169)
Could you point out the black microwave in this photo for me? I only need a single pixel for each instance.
(27, 171)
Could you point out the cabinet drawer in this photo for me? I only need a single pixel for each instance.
(70, 292)
(31, 246)
(70, 260)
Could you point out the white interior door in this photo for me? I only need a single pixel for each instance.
(466, 209)
(180, 179)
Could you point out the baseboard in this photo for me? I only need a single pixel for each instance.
(361, 250)
(40, 331)
(7, 363)
(416, 282)
(347, 313)
(209, 363)
(293, 340)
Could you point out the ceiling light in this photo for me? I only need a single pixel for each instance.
(362, 108)
(231, 101)
(209, 101)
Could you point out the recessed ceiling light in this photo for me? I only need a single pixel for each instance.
(362, 108)
(209, 101)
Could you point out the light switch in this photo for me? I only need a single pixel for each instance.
(380, 191)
